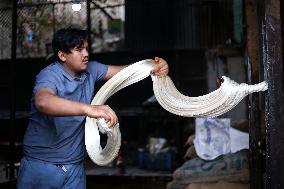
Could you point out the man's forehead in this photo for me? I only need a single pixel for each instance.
(84, 45)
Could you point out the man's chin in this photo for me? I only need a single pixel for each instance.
(84, 68)
(84, 64)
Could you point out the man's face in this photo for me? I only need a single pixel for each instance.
(77, 61)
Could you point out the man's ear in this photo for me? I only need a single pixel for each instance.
(61, 56)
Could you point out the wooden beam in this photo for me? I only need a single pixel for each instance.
(89, 26)
(255, 128)
(273, 70)
(13, 91)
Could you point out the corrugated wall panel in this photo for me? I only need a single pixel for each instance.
(179, 24)
(148, 24)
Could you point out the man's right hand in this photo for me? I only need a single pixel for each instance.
(48, 103)
(102, 111)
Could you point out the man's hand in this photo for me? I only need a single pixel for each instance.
(48, 103)
(102, 111)
(161, 68)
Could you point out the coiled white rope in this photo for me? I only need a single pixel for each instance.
(213, 104)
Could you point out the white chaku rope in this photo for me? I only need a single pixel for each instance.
(213, 104)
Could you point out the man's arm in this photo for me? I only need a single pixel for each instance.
(48, 103)
(160, 69)
(112, 70)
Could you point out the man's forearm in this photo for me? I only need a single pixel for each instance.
(112, 70)
(48, 103)
(57, 106)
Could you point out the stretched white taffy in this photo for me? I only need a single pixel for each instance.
(213, 104)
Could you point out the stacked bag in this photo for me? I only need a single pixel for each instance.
(227, 171)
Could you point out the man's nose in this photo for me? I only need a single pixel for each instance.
(85, 52)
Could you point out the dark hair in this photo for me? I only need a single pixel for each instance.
(67, 39)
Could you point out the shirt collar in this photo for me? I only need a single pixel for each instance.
(70, 76)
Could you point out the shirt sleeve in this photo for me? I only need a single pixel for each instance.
(97, 70)
(46, 79)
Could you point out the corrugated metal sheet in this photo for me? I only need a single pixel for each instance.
(148, 24)
(179, 24)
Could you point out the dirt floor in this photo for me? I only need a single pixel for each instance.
(109, 182)
(111, 178)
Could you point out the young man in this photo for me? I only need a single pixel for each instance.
(54, 147)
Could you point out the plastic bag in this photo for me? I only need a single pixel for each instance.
(214, 137)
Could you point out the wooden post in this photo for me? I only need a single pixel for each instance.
(89, 26)
(12, 92)
(255, 127)
(274, 115)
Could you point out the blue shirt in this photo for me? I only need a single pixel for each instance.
(61, 139)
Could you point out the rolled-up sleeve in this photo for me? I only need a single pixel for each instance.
(46, 79)
(97, 70)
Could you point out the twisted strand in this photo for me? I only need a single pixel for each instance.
(213, 104)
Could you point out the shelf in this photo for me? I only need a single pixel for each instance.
(93, 170)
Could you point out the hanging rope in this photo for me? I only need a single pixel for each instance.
(213, 104)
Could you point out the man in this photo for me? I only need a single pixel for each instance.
(54, 147)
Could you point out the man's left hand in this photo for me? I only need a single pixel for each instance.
(161, 67)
